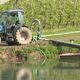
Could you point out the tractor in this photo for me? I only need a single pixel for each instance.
(12, 28)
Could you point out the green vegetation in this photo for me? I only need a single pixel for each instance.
(75, 37)
(60, 30)
(51, 13)
(34, 52)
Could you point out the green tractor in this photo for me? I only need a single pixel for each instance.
(12, 28)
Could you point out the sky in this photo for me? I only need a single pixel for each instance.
(3, 1)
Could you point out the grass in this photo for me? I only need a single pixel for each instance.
(42, 51)
(60, 30)
(56, 30)
(75, 37)
(66, 37)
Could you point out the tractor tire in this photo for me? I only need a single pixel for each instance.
(23, 36)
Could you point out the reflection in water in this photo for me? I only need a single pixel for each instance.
(24, 74)
(50, 70)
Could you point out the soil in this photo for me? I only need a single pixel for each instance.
(7, 55)
(6, 52)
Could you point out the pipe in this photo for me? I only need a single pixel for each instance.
(62, 43)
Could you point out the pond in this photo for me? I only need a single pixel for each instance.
(43, 70)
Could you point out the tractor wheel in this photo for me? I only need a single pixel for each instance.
(23, 36)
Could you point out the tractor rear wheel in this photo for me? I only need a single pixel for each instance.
(23, 36)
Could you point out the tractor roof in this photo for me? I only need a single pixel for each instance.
(13, 11)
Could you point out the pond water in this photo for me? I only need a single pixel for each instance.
(44, 70)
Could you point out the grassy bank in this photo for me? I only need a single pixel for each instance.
(33, 52)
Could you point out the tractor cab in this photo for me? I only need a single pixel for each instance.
(12, 17)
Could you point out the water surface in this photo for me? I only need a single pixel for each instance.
(44, 70)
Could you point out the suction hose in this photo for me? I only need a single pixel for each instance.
(37, 37)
